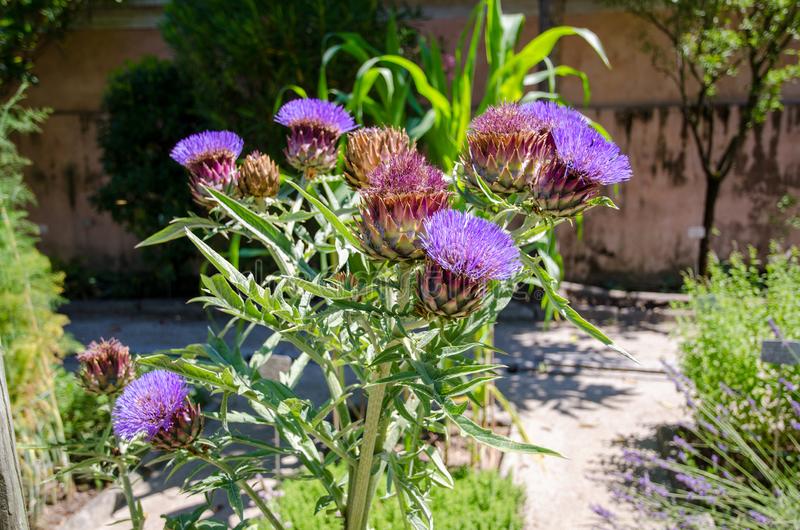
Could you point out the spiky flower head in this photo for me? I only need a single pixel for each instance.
(582, 162)
(369, 148)
(463, 253)
(156, 406)
(106, 367)
(506, 148)
(259, 176)
(403, 192)
(314, 129)
(210, 157)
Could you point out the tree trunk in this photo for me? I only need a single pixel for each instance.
(712, 193)
(12, 503)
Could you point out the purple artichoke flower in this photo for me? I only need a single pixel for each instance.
(210, 157)
(314, 130)
(369, 148)
(106, 367)
(157, 406)
(580, 164)
(404, 191)
(463, 253)
(507, 148)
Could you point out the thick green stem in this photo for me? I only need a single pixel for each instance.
(358, 505)
(137, 517)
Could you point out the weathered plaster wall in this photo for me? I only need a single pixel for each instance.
(646, 243)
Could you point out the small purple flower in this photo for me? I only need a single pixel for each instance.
(314, 130)
(464, 253)
(156, 406)
(795, 425)
(759, 517)
(470, 246)
(210, 157)
(791, 387)
(795, 407)
(602, 511)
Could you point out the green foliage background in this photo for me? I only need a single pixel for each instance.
(479, 500)
(721, 339)
(148, 107)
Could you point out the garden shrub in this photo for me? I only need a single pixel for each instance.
(240, 59)
(31, 332)
(148, 107)
(721, 339)
(479, 500)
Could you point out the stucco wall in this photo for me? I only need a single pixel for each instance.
(646, 243)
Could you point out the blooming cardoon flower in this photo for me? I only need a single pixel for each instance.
(404, 191)
(506, 148)
(210, 157)
(157, 407)
(369, 148)
(582, 162)
(314, 130)
(106, 367)
(259, 176)
(463, 253)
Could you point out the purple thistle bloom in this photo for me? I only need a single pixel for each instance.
(314, 130)
(205, 145)
(316, 113)
(588, 155)
(470, 246)
(406, 173)
(508, 118)
(149, 405)
(210, 157)
(549, 115)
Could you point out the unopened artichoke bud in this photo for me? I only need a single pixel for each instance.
(369, 148)
(106, 367)
(210, 157)
(156, 407)
(404, 191)
(506, 148)
(187, 425)
(582, 162)
(259, 176)
(463, 254)
(314, 130)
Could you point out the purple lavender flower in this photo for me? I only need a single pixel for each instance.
(759, 517)
(314, 130)
(156, 406)
(791, 387)
(404, 191)
(795, 424)
(464, 253)
(602, 511)
(507, 149)
(210, 157)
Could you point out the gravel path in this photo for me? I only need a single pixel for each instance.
(574, 396)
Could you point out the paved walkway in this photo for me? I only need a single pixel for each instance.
(574, 396)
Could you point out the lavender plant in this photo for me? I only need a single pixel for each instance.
(718, 473)
(379, 282)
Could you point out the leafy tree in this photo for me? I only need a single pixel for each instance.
(148, 107)
(709, 42)
(240, 59)
(24, 26)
